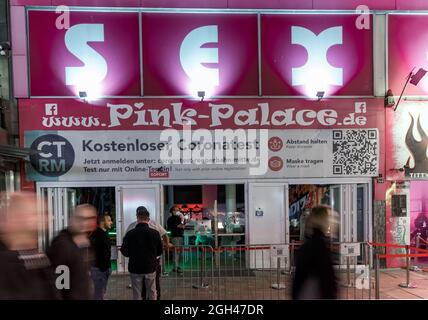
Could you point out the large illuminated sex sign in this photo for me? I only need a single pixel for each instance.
(317, 69)
(192, 55)
(95, 66)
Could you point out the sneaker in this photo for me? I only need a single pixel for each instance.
(129, 286)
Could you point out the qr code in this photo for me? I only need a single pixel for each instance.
(355, 152)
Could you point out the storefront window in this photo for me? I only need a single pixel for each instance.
(302, 198)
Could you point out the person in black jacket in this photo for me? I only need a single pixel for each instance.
(25, 271)
(176, 227)
(142, 245)
(314, 277)
(71, 249)
(101, 247)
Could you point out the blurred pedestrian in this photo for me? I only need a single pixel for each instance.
(167, 245)
(101, 248)
(314, 277)
(25, 270)
(70, 248)
(142, 245)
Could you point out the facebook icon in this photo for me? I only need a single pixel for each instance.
(51, 109)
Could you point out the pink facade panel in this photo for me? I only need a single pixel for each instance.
(186, 53)
(98, 49)
(306, 54)
(411, 5)
(32, 2)
(353, 4)
(19, 34)
(20, 79)
(184, 4)
(99, 3)
(407, 49)
(237, 4)
(274, 4)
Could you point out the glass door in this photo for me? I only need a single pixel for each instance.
(57, 204)
(362, 224)
(130, 198)
(352, 211)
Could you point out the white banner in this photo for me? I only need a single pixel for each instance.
(201, 154)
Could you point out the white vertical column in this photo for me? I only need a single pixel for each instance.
(380, 52)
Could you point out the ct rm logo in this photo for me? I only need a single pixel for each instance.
(54, 157)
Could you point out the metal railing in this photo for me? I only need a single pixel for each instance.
(407, 255)
(249, 272)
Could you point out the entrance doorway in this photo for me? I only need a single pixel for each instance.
(60, 202)
(250, 213)
(213, 214)
(197, 205)
(349, 201)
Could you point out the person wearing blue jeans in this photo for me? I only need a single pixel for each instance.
(101, 246)
(100, 279)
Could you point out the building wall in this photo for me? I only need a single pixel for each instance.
(382, 184)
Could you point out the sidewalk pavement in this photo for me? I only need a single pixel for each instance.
(391, 278)
(180, 288)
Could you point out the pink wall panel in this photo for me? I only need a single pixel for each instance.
(20, 80)
(184, 4)
(50, 57)
(272, 4)
(19, 45)
(31, 2)
(19, 58)
(98, 3)
(236, 4)
(353, 4)
(412, 5)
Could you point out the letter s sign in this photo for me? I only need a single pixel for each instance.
(76, 41)
(192, 56)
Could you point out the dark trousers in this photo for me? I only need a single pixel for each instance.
(100, 279)
(158, 274)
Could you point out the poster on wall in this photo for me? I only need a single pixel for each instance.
(407, 141)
